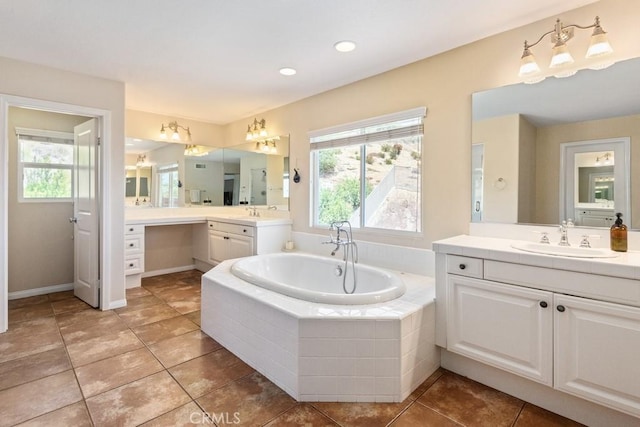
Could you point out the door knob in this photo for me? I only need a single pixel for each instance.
(73, 220)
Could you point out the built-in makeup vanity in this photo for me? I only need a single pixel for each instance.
(215, 234)
(562, 324)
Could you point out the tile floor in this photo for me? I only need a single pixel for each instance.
(65, 364)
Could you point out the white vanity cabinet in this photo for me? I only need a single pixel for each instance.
(597, 349)
(133, 254)
(574, 331)
(227, 241)
(504, 326)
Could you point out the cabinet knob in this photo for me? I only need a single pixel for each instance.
(561, 308)
(130, 245)
(543, 304)
(131, 265)
(131, 229)
(244, 230)
(462, 266)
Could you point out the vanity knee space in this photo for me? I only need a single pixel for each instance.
(576, 332)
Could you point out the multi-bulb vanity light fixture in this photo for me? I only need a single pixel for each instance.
(561, 58)
(175, 136)
(605, 159)
(255, 132)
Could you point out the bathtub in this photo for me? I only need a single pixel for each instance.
(375, 352)
(319, 279)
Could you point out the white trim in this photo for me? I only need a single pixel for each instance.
(104, 193)
(116, 304)
(40, 291)
(42, 133)
(168, 271)
(386, 118)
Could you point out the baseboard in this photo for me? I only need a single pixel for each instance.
(202, 265)
(117, 304)
(41, 291)
(168, 270)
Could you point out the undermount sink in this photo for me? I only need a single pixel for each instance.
(568, 251)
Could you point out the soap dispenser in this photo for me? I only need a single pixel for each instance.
(619, 235)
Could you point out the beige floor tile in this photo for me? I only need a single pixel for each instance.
(103, 325)
(212, 371)
(57, 296)
(418, 415)
(33, 399)
(155, 332)
(115, 371)
(468, 402)
(255, 399)
(102, 347)
(185, 347)
(30, 312)
(33, 367)
(534, 416)
(194, 316)
(179, 293)
(23, 302)
(137, 402)
(137, 293)
(148, 315)
(302, 415)
(361, 414)
(27, 338)
(75, 415)
(187, 305)
(187, 415)
(139, 303)
(83, 316)
(69, 304)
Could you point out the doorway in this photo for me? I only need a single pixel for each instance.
(102, 119)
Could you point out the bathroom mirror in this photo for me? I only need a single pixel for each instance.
(251, 173)
(519, 174)
(138, 171)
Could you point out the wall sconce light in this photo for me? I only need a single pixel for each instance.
(561, 57)
(142, 160)
(175, 136)
(268, 145)
(254, 132)
(606, 158)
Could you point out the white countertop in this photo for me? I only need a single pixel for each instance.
(626, 265)
(194, 215)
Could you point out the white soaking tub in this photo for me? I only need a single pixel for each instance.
(319, 279)
(373, 352)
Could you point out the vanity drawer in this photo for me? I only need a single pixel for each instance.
(133, 244)
(133, 265)
(465, 266)
(226, 227)
(133, 229)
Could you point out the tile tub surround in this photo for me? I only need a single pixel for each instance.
(358, 353)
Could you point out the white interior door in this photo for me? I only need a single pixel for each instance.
(85, 211)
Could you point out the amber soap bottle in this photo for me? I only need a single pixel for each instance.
(619, 235)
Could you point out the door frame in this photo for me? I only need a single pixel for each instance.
(104, 194)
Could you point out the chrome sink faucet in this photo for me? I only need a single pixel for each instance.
(253, 211)
(564, 227)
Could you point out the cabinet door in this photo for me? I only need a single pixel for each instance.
(217, 246)
(506, 326)
(597, 346)
(239, 246)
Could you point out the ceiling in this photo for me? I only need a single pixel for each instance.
(218, 60)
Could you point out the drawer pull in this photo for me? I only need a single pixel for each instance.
(130, 245)
(543, 304)
(244, 230)
(561, 308)
(131, 229)
(131, 265)
(226, 238)
(462, 266)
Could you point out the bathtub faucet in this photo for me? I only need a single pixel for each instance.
(343, 237)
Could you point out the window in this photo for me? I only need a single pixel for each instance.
(45, 165)
(168, 186)
(369, 173)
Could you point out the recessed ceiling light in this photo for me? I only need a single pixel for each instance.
(345, 46)
(286, 71)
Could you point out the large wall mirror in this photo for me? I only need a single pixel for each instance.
(559, 149)
(255, 173)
